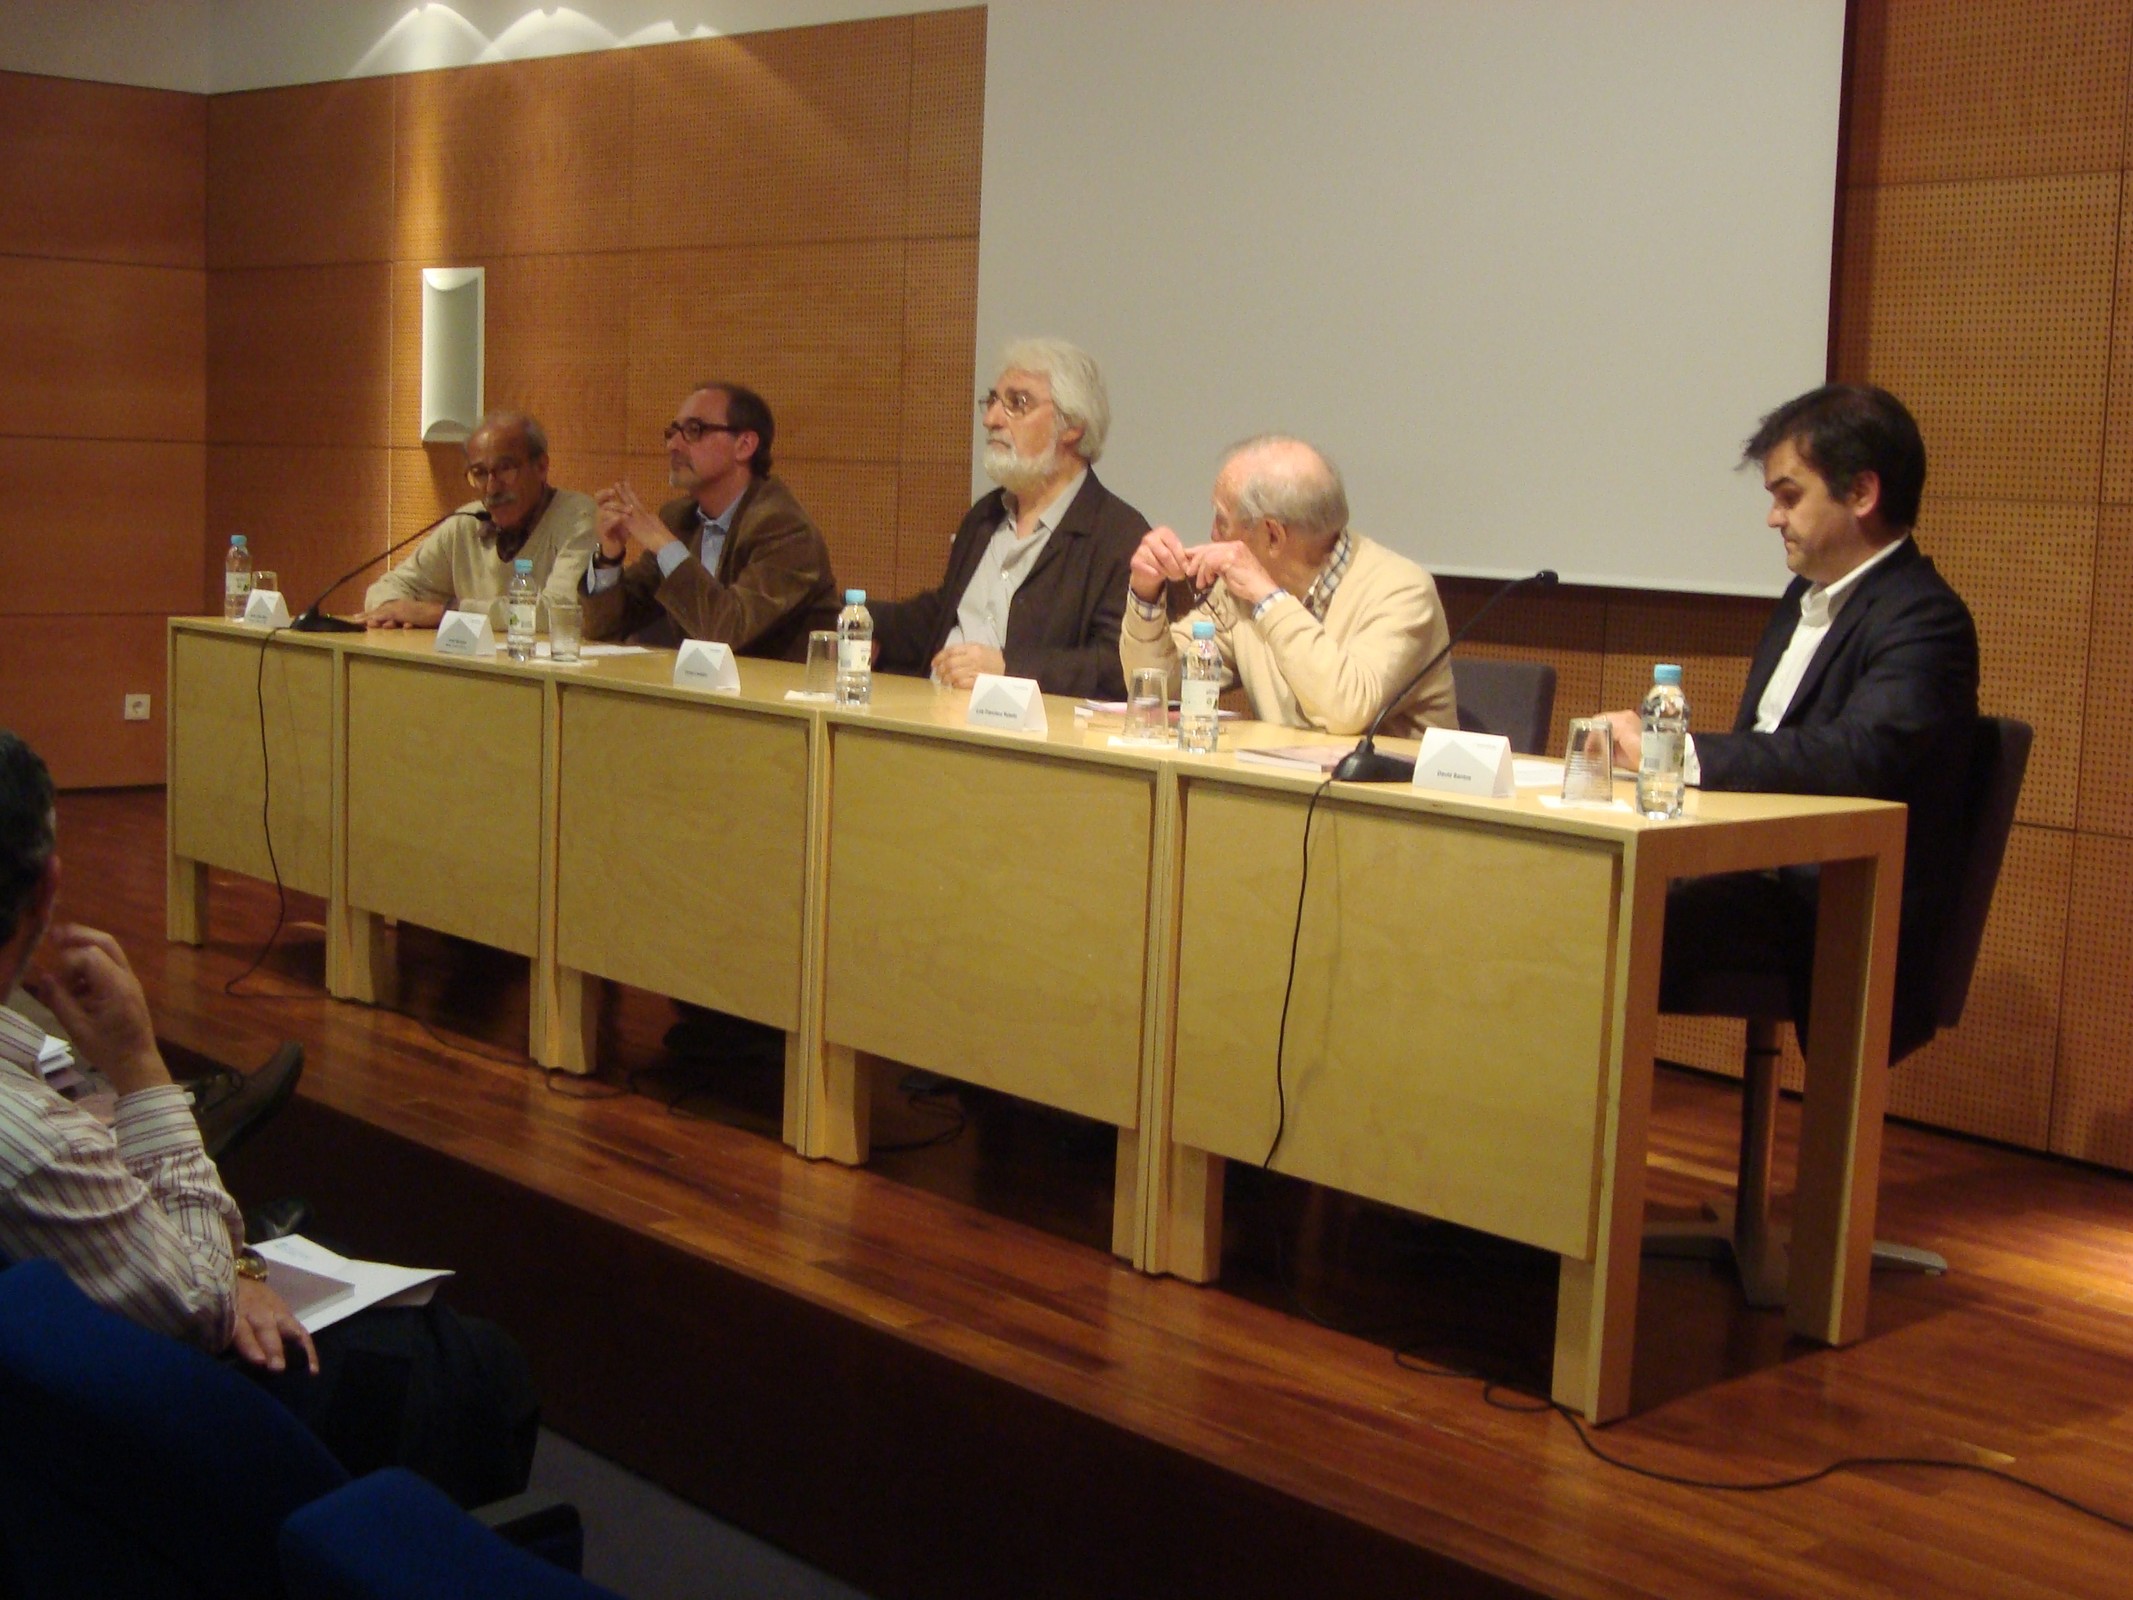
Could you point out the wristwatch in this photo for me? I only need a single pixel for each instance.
(251, 1264)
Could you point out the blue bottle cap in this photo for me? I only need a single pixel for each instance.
(236, 541)
(523, 564)
(1203, 630)
(855, 597)
(1667, 672)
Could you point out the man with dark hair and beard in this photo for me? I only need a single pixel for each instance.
(1036, 579)
(736, 559)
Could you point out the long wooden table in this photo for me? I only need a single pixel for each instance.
(1103, 930)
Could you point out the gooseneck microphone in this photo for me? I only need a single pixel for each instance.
(313, 620)
(1366, 763)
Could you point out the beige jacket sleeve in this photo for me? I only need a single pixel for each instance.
(424, 575)
(1342, 685)
(576, 540)
(1157, 642)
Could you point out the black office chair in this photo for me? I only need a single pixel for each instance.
(1741, 1228)
(1511, 698)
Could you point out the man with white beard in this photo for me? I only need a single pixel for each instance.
(1036, 579)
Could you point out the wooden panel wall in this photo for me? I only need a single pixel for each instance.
(795, 210)
(103, 411)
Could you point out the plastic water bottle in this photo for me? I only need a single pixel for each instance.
(521, 611)
(1661, 774)
(855, 651)
(236, 578)
(1199, 689)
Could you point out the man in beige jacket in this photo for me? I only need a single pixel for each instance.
(1321, 625)
(466, 562)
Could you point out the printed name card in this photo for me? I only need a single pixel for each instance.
(701, 664)
(466, 633)
(1013, 704)
(1464, 763)
(265, 608)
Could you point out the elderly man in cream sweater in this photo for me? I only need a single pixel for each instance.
(1321, 625)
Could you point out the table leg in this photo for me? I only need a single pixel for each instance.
(359, 955)
(185, 901)
(1846, 1090)
(840, 1123)
(569, 1017)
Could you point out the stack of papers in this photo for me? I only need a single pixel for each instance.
(323, 1288)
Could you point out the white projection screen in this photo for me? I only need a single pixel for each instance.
(1529, 270)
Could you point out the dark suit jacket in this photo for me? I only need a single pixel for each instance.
(1062, 625)
(1886, 710)
(772, 586)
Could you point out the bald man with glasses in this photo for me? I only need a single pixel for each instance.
(466, 562)
(735, 559)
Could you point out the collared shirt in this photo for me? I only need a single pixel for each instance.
(509, 542)
(714, 529)
(134, 1213)
(1317, 599)
(1819, 605)
(981, 615)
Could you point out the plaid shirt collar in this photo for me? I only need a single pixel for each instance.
(1318, 599)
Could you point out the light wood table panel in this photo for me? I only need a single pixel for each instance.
(682, 857)
(987, 915)
(445, 797)
(221, 675)
(1471, 1031)
(1450, 1002)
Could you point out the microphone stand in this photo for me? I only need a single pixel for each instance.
(1366, 763)
(313, 620)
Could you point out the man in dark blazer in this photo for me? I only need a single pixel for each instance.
(1036, 579)
(1864, 683)
(735, 559)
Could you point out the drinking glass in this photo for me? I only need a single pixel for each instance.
(1588, 763)
(821, 680)
(566, 624)
(1148, 708)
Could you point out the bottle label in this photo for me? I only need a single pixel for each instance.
(855, 655)
(237, 585)
(1197, 696)
(519, 616)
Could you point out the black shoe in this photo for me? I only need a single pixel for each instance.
(277, 1219)
(226, 1122)
(703, 1035)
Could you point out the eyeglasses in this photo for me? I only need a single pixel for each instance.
(479, 476)
(693, 430)
(1017, 403)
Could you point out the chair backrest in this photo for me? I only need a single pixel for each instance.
(1511, 698)
(393, 1536)
(136, 1464)
(1998, 761)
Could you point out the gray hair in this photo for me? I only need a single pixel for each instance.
(1291, 481)
(536, 436)
(1079, 397)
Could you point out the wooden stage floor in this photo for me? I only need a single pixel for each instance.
(930, 1378)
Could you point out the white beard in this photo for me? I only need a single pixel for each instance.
(1019, 474)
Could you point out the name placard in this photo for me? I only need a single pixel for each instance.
(466, 633)
(704, 664)
(1014, 705)
(265, 608)
(1464, 763)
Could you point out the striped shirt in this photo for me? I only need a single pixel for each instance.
(134, 1212)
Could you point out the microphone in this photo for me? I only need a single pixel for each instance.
(1366, 763)
(312, 620)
